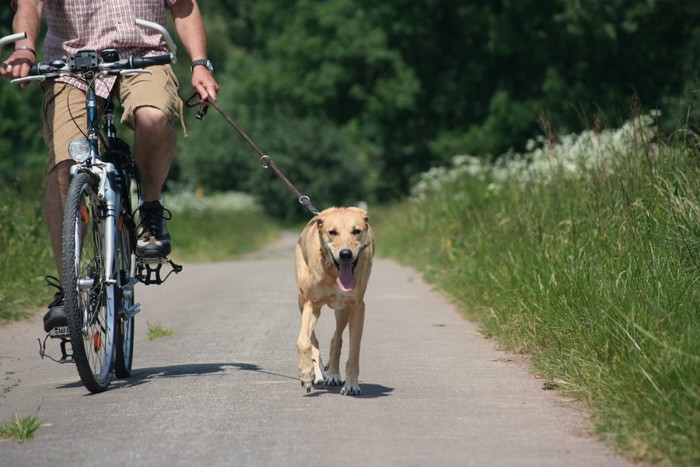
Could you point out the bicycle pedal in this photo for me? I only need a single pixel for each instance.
(148, 270)
(142, 261)
(65, 358)
(59, 332)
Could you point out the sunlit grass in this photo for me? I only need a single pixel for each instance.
(217, 227)
(591, 264)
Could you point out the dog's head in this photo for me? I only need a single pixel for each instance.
(345, 234)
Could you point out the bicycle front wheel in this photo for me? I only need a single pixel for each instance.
(125, 294)
(89, 298)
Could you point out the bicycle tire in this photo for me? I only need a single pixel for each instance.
(125, 297)
(89, 299)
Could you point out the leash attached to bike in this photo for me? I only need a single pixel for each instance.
(267, 161)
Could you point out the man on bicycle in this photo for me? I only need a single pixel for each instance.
(150, 102)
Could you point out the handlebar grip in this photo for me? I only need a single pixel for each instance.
(143, 62)
(12, 38)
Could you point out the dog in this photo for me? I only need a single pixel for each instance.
(333, 262)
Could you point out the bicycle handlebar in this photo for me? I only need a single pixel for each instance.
(87, 61)
(126, 66)
(12, 38)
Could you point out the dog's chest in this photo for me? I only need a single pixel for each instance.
(338, 300)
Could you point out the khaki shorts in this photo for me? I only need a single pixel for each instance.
(65, 116)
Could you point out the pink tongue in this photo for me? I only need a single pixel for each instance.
(346, 279)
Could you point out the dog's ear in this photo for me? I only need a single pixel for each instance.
(361, 212)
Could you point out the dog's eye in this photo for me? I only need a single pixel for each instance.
(332, 232)
(356, 231)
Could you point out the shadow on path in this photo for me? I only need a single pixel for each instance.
(141, 376)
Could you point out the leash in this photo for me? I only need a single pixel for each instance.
(266, 160)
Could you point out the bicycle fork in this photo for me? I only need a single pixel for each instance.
(113, 277)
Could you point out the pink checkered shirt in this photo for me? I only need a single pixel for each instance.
(75, 25)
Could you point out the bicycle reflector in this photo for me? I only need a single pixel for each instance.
(79, 150)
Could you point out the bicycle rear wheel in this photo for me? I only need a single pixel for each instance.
(125, 296)
(89, 298)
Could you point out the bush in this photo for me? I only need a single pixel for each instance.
(316, 156)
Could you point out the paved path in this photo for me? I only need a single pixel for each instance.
(223, 389)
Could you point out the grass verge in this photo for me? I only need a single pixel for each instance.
(584, 254)
(212, 228)
(25, 252)
(217, 227)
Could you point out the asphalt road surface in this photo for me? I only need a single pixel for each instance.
(223, 389)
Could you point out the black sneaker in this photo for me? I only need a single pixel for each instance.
(56, 316)
(153, 237)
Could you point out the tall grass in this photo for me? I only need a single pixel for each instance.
(25, 252)
(585, 254)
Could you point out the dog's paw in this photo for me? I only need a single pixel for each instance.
(332, 379)
(351, 390)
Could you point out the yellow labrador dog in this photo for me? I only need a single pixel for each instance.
(333, 263)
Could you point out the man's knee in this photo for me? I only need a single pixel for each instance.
(151, 118)
(60, 173)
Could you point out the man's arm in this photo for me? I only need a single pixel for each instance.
(190, 30)
(28, 20)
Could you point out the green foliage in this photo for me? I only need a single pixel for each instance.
(588, 263)
(320, 159)
(413, 82)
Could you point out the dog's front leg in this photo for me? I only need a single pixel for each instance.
(309, 317)
(319, 377)
(332, 376)
(356, 318)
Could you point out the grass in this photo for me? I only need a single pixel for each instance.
(156, 330)
(217, 227)
(585, 255)
(26, 253)
(212, 228)
(21, 429)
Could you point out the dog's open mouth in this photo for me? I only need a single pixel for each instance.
(346, 275)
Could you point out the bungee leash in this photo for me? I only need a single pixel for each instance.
(266, 160)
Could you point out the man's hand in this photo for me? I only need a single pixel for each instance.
(17, 65)
(204, 83)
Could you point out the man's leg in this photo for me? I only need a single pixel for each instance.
(154, 148)
(151, 107)
(62, 110)
(54, 199)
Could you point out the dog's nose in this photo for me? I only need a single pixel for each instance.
(345, 254)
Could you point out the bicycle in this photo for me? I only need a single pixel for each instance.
(99, 265)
